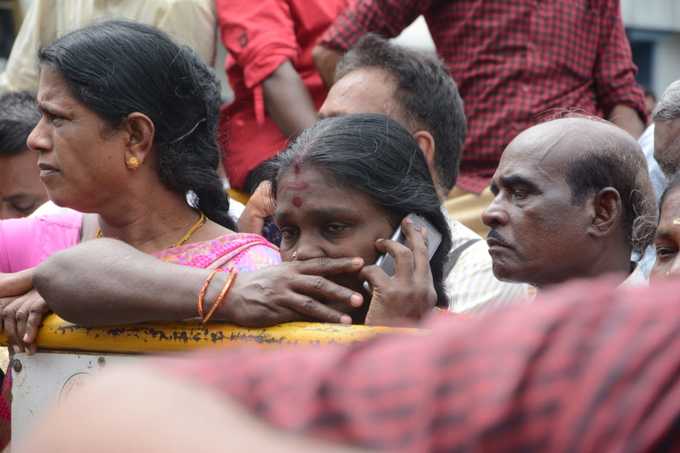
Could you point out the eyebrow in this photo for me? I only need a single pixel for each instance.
(517, 180)
(663, 233)
(52, 110)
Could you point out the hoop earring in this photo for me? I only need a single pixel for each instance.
(132, 163)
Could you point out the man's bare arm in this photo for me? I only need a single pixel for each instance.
(627, 119)
(288, 101)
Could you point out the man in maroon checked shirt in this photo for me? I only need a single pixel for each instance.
(514, 62)
(585, 368)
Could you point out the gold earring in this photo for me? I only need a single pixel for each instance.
(132, 163)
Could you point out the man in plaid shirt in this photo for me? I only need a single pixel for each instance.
(514, 63)
(587, 368)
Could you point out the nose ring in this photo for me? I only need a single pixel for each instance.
(295, 255)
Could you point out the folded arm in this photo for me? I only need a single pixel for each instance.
(107, 282)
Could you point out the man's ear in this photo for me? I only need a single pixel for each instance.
(426, 143)
(140, 136)
(607, 212)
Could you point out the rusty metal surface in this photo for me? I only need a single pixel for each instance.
(57, 334)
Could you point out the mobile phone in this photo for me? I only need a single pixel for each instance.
(434, 238)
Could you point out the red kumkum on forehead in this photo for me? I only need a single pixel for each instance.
(297, 202)
(296, 185)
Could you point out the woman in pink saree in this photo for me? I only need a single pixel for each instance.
(127, 136)
(27, 242)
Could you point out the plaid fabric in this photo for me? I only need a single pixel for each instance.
(515, 62)
(587, 368)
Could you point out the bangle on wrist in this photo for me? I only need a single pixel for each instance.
(201, 294)
(221, 297)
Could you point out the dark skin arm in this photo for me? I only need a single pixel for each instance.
(325, 60)
(627, 119)
(287, 100)
(107, 282)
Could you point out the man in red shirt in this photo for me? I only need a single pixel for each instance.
(514, 62)
(277, 89)
(586, 368)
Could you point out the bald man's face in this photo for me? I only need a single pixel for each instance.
(667, 145)
(538, 235)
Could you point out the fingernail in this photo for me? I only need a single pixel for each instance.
(379, 241)
(345, 319)
(26, 338)
(357, 262)
(356, 300)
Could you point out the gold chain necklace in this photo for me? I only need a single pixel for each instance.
(198, 224)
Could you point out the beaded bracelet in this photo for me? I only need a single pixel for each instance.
(201, 293)
(222, 296)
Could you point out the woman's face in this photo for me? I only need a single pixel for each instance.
(667, 240)
(318, 218)
(81, 161)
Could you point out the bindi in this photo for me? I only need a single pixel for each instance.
(297, 202)
(296, 186)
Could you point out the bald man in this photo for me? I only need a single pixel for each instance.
(572, 200)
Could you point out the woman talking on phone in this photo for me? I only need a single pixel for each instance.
(343, 187)
(341, 190)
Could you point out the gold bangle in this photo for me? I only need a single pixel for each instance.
(201, 293)
(222, 297)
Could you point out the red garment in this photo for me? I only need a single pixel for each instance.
(514, 62)
(260, 35)
(586, 368)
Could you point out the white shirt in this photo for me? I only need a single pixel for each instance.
(470, 284)
(188, 22)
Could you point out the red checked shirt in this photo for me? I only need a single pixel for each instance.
(587, 368)
(514, 61)
(260, 35)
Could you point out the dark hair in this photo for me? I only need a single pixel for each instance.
(19, 114)
(376, 156)
(116, 68)
(673, 183)
(426, 93)
(620, 164)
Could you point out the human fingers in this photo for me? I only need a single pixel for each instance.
(416, 240)
(4, 301)
(259, 207)
(402, 255)
(9, 322)
(36, 314)
(328, 266)
(375, 276)
(324, 289)
(312, 308)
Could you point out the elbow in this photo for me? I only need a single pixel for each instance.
(51, 280)
(46, 278)
(317, 55)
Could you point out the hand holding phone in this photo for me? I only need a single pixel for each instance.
(433, 239)
(408, 294)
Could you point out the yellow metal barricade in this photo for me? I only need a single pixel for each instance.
(57, 334)
(69, 355)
